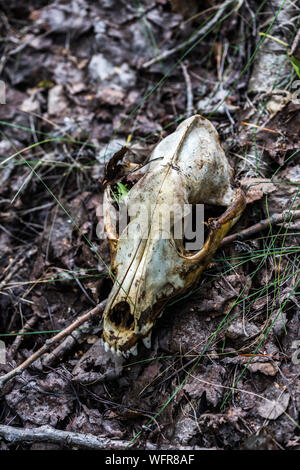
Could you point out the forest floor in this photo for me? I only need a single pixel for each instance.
(223, 368)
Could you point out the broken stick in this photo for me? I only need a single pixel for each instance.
(75, 439)
(262, 225)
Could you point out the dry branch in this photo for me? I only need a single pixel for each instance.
(189, 91)
(68, 343)
(206, 28)
(270, 68)
(74, 439)
(262, 225)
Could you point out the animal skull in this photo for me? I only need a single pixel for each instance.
(187, 167)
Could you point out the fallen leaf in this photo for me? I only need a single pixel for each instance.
(255, 188)
(266, 368)
(272, 409)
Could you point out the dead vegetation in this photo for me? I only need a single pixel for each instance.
(82, 78)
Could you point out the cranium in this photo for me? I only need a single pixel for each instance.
(187, 167)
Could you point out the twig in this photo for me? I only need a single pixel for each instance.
(262, 225)
(94, 313)
(27, 327)
(76, 439)
(65, 346)
(205, 29)
(189, 91)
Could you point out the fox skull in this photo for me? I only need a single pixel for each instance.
(149, 265)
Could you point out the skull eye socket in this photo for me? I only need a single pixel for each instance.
(210, 211)
(195, 227)
(121, 316)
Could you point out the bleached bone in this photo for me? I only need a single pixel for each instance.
(187, 167)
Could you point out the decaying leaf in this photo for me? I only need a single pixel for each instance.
(266, 368)
(274, 408)
(96, 366)
(286, 196)
(285, 138)
(255, 188)
(50, 400)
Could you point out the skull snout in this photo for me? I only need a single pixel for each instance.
(119, 327)
(121, 332)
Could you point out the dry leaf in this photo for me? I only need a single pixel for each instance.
(272, 409)
(255, 188)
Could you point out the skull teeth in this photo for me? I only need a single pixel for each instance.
(147, 341)
(108, 348)
(126, 354)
